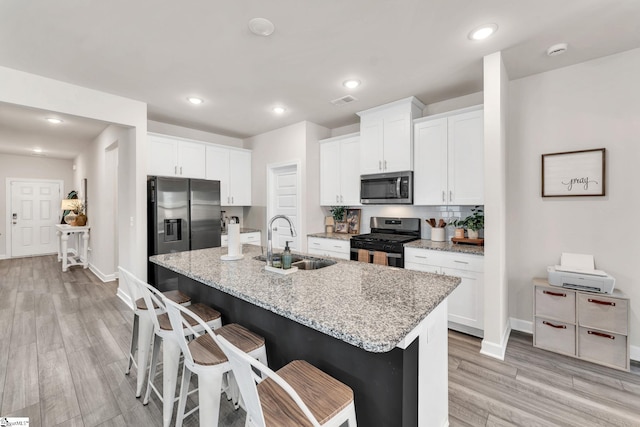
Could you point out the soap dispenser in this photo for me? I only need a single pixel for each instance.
(286, 256)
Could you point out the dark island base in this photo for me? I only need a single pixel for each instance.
(385, 385)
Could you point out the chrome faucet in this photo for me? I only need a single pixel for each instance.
(270, 236)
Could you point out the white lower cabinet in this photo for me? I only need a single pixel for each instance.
(335, 248)
(466, 302)
(252, 238)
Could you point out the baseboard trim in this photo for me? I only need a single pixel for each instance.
(124, 297)
(497, 350)
(4, 256)
(521, 325)
(635, 353)
(104, 277)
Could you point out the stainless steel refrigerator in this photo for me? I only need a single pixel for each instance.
(182, 214)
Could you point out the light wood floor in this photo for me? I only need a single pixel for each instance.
(65, 336)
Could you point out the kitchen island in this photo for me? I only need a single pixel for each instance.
(380, 330)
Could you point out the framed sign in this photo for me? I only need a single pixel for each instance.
(573, 173)
(353, 220)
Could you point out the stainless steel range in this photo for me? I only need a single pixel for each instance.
(387, 235)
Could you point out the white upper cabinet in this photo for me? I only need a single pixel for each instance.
(232, 167)
(339, 171)
(176, 157)
(386, 136)
(449, 158)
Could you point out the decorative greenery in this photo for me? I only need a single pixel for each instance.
(475, 221)
(338, 212)
(78, 206)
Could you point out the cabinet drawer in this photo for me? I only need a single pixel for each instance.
(605, 313)
(250, 238)
(555, 336)
(603, 347)
(424, 256)
(422, 267)
(464, 262)
(557, 304)
(333, 245)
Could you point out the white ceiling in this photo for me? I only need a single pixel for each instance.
(161, 51)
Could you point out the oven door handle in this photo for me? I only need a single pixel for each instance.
(389, 254)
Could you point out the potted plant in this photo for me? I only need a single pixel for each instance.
(338, 213)
(473, 223)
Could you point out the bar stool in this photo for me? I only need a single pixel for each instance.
(142, 330)
(299, 394)
(170, 348)
(204, 358)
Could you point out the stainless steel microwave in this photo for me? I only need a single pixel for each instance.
(387, 188)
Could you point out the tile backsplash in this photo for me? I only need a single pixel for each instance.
(448, 213)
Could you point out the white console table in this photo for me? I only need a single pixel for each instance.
(70, 257)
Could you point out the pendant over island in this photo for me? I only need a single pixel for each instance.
(380, 330)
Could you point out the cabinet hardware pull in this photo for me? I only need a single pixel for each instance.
(600, 334)
(595, 301)
(450, 196)
(555, 294)
(231, 199)
(443, 196)
(385, 165)
(336, 246)
(180, 170)
(544, 322)
(175, 170)
(341, 199)
(420, 256)
(379, 164)
(460, 262)
(337, 198)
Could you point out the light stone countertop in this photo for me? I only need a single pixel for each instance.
(244, 231)
(446, 247)
(369, 306)
(336, 236)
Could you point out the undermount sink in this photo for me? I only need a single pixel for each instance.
(312, 264)
(303, 263)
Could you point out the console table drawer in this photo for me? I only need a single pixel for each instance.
(555, 336)
(603, 347)
(604, 313)
(557, 304)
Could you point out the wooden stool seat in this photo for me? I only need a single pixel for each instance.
(175, 296)
(203, 311)
(206, 352)
(324, 396)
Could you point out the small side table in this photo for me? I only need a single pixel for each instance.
(70, 257)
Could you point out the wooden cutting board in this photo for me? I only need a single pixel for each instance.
(465, 241)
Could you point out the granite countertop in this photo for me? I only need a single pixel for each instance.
(337, 236)
(244, 231)
(446, 247)
(369, 306)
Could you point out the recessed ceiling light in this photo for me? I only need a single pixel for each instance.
(54, 120)
(194, 100)
(557, 49)
(37, 150)
(279, 110)
(351, 84)
(483, 32)
(261, 27)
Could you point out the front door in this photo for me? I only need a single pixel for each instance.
(35, 210)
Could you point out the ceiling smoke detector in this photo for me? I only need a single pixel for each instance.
(557, 49)
(344, 100)
(261, 27)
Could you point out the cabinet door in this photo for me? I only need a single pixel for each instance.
(397, 144)
(162, 156)
(218, 170)
(350, 171)
(466, 302)
(191, 160)
(430, 163)
(466, 159)
(240, 178)
(330, 173)
(371, 133)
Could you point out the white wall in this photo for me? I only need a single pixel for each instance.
(92, 164)
(34, 91)
(590, 105)
(30, 167)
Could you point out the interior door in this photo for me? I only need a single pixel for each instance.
(35, 209)
(284, 193)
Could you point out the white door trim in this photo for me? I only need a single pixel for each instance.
(271, 167)
(8, 228)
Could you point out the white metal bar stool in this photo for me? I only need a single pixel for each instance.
(299, 394)
(142, 330)
(204, 358)
(170, 348)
